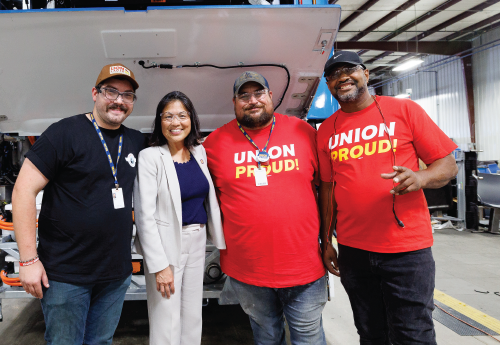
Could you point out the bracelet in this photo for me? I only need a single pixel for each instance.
(29, 262)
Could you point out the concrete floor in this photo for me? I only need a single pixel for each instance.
(465, 262)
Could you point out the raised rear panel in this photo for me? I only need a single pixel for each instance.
(50, 59)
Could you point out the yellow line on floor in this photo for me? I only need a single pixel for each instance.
(468, 311)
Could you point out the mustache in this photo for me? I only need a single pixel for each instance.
(345, 81)
(250, 107)
(117, 106)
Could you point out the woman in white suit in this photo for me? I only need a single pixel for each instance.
(175, 203)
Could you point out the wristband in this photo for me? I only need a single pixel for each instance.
(29, 262)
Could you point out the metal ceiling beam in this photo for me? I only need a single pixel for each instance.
(483, 30)
(472, 27)
(357, 13)
(385, 19)
(378, 57)
(398, 60)
(417, 21)
(455, 19)
(427, 47)
(435, 29)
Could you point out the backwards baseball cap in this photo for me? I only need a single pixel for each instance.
(116, 70)
(342, 57)
(247, 77)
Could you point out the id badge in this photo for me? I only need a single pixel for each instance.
(118, 198)
(260, 177)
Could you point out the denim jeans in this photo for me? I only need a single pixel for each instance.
(300, 305)
(82, 314)
(391, 294)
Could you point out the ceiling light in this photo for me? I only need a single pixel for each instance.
(402, 95)
(408, 64)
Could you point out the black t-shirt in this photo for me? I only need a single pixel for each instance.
(83, 239)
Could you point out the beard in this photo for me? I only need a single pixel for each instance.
(254, 122)
(352, 96)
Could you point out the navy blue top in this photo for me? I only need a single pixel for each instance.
(194, 190)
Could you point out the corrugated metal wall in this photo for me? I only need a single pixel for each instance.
(486, 69)
(449, 107)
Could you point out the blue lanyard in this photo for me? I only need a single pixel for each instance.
(113, 169)
(253, 142)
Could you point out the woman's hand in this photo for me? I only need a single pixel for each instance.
(165, 282)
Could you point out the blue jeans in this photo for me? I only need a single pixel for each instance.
(300, 305)
(391, 294)
(82, 314)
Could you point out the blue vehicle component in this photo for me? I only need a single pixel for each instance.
(323, 104)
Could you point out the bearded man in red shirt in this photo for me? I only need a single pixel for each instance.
(264, 167)
(371, 188)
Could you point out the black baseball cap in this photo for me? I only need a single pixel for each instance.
(342, 57)
(247, 77)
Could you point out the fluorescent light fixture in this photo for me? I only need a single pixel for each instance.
(403, 95)
(408, 64)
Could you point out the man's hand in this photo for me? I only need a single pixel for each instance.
(165, 282)
(330, 259)
(409, 180)
(32, 278)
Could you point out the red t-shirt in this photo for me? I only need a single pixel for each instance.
(271, 231)
(360, 151)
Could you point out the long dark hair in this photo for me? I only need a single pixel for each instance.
(193, 138)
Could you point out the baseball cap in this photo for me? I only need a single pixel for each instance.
(342, 57)
(249, 76)
(116, 70)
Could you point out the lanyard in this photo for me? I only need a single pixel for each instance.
(113, 169)
(254, 144)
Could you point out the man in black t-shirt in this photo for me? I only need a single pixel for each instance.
(86, 165)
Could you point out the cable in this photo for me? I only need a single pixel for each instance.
(9, 281)
(400, 223)
(468, 324)
(9, 226)
(169, 66)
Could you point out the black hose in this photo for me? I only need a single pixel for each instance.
(169, 66)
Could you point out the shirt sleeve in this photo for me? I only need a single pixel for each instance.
(43, 154)
(52, 150)
(325, 166)
(430, 142)
(313, 135)
(207, 145)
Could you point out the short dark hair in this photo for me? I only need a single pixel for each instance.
(193, 138)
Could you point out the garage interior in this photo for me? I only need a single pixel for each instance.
(448, 56)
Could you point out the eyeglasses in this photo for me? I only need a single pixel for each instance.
(247, 96)
(168, 117)
(343, 70)
(113, 94)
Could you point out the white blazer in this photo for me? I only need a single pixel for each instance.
(158, 208)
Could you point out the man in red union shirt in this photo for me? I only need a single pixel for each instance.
(372, 188)
(264, 166)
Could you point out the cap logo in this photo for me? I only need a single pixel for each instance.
(119, 70)
(337, 56)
